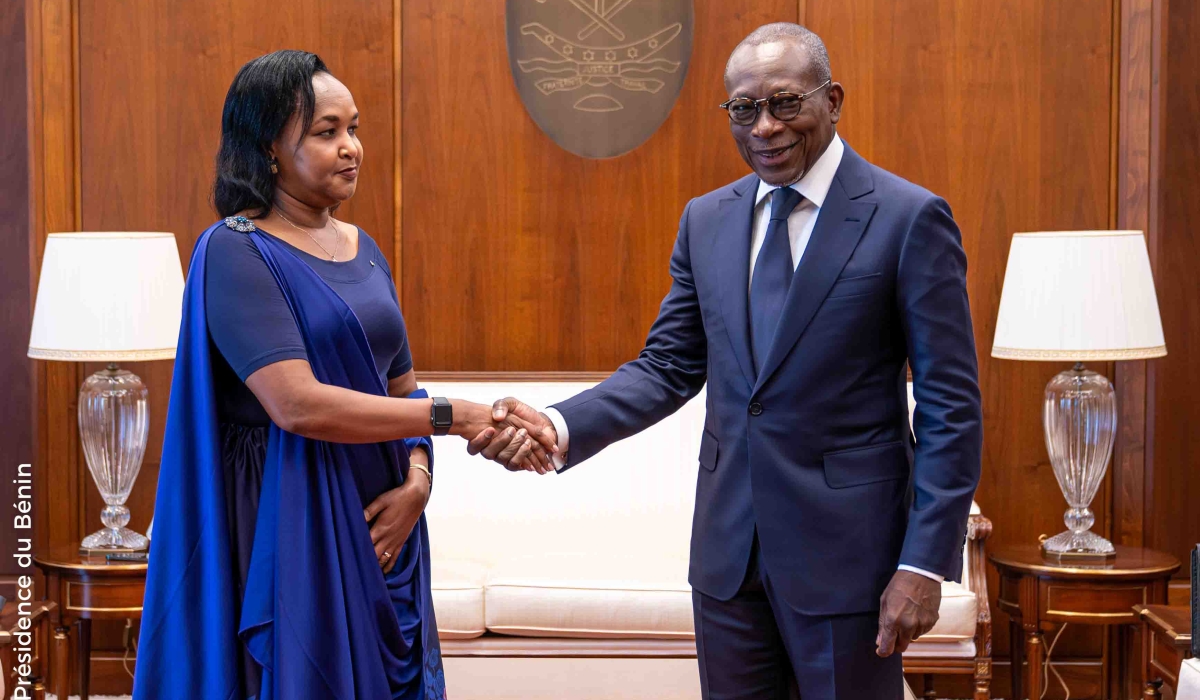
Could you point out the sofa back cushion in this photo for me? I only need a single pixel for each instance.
(636, 497)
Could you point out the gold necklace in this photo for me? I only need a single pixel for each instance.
(336, 244)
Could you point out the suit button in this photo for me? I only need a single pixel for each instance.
(756, 409)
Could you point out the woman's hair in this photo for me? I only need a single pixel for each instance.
(264, 95)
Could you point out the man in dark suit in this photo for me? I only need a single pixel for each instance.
(822, 528)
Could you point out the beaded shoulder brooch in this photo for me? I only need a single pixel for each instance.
(240, 223)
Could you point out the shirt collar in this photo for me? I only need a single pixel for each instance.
(816, 182)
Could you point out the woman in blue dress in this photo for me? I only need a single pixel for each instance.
(290, 557)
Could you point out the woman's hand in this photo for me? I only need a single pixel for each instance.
(396, 512)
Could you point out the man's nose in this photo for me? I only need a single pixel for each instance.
(766, 125)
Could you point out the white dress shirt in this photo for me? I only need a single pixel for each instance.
(813, 187)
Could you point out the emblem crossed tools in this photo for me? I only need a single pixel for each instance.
(601, 17)
(581, 64)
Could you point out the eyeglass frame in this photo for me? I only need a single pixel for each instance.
(758, 103)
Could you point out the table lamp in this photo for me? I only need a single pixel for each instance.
(1079, 296)
(110, 297)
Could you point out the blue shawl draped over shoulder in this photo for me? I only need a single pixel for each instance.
(318, 614)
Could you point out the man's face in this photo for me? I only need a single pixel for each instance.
(781, 152)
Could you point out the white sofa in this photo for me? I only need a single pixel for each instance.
(575, 585)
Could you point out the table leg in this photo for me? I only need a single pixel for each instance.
(1122, 661)
(1147, 640)
(1035, 655)
(84, 661)
(1153, 690)
(43, 658)
(42, 652)
(62, 653)
(1017, 654)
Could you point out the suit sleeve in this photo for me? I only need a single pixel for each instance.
(670, 370)
(948, 422)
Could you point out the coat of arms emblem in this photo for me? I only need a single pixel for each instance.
(599, 76)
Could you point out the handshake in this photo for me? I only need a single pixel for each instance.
(509, 432)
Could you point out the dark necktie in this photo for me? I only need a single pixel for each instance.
(773, 272)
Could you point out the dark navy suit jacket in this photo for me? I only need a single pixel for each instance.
(815, 451)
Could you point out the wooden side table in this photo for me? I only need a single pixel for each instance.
(1037, 593)
(1166, 642)
(13, 652)
(86, 588)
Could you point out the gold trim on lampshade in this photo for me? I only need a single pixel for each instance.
(108, 297)
(1079, 355)
(1078, 296)
(100, 355)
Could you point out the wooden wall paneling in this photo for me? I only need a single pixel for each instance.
(1134, 181)
(1174, 491)
(16, 302)
(509, 377)
(1004, 109)
(397, 256)
(518, 255)
(54, 119)
(149, 146)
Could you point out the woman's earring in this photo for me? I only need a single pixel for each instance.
(274, 167)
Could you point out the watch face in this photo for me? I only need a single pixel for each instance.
(443, 413)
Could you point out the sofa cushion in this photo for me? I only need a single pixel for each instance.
(596, 596)
(458, 598)
(921, 649)
(958, 614)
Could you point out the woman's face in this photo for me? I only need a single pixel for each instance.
(320, 166)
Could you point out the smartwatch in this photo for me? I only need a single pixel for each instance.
(441, 416)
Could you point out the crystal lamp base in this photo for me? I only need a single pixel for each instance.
(115, 536)
(1086, 544)
(1080, 419)
(114, 419)
(114, 540)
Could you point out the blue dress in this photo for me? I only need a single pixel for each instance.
(259, 534)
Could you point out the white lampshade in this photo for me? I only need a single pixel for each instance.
(108, 297)
(1076, 296)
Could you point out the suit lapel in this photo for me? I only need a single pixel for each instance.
(732, 250)
(839, 227)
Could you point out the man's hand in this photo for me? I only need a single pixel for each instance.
(526, 430)
(908, 609)
(396, 512)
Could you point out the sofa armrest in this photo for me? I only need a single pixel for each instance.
(979, 528)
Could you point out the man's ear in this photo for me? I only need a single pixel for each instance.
(836, 97)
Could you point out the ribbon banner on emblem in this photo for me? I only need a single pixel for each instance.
(623, 66)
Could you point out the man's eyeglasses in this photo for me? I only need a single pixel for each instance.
(784, 106)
